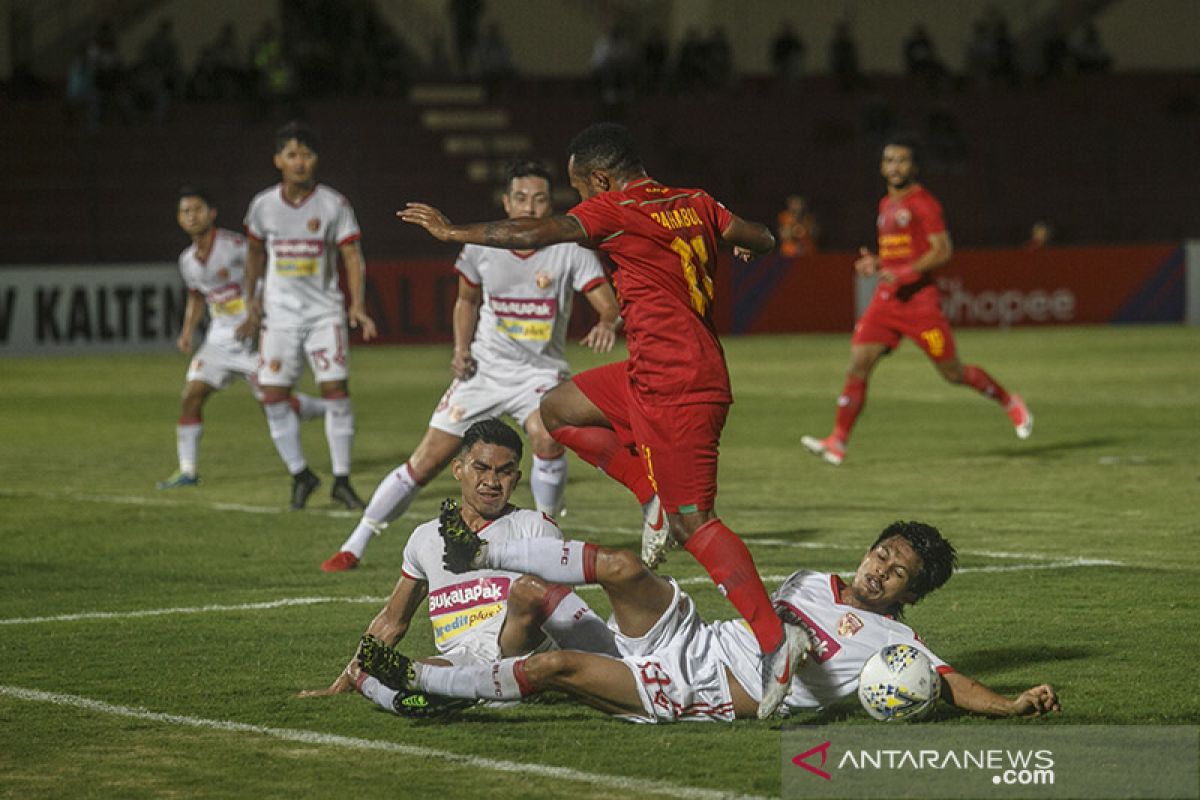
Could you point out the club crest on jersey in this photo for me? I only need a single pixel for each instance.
(223, 273)
(276, 365)
(543, 280)
(849, 624)
(314, 224)
(903, 217)
(457, 413)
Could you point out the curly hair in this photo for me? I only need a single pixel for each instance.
(938, 557)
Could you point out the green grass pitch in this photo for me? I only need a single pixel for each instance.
(1080, 551)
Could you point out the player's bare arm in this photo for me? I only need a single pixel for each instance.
(971, 695)
(191, 317)
(603, 334)
(525, 233)
(867, 263)
(938, 255)
(749, 239)
(390, 625)
(466, 318)
(356, 270)
(256, 261)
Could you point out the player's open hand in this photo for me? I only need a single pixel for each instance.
(867, 263)
(1036, 701)
(343, 684)
(253, 321)
(601, 337)
(742, 254)
(463, 365)
(358, 318)
(429, 218)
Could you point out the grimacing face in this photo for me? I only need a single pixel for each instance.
(194, 215)
(897, 166)
(885, 575)
(488, 473)
(527, 196)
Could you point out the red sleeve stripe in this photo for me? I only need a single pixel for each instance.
(945, 669)
(465, 278)
(593, 284)
(404, 574)
(251, 234)
(354, 237)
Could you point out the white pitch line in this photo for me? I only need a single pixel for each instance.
(137, 500)
(610, 782)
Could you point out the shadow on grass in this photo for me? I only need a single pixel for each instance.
(982, 661)
(1052, 448)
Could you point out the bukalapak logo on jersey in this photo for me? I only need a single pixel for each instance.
(298, 248)
(461, 596)
(525, 307)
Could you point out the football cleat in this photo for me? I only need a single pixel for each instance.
(419, 705)
(780, 667)
(304, 483)
(386, 664)
(1021, 416)
(340, 561)
(178, 481)
(344, 493)
(829, 448)
(463, 547)
(656, 533)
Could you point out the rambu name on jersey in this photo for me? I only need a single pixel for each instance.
(459, 608)
(674, 218)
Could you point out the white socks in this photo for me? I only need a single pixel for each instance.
(187, 445)
(549, 484)
(499, 680)
(391, 499)
(308, 407)
(557, 561)
(339, 432)
(574, 626)
(285, 432)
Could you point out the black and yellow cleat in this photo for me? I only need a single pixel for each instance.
(463, 547)
(387, 664)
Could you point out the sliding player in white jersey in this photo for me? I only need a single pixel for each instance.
(675, 667)
(297, 229)
(510, 332)
(213, 269)
(482, 615)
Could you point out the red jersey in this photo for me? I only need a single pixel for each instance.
(663, 241)
(905, 224)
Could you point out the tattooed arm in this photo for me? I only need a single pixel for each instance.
(516, 234)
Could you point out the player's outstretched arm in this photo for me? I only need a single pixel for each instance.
(527, 233)
(749, 239)
(390, 625)
(971, 695)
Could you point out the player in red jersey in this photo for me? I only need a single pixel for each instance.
(913, 242)
(654, 421)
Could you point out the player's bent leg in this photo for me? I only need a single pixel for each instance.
(638, 597)
(601, 682)
(850, 403)
(565, 405)
(537, 609)
(188, 431)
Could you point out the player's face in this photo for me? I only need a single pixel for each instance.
(195, 216)
(297, 163)
(587, 185)
(897, 166)
(527, 197)
(885, 575)
(488, 474)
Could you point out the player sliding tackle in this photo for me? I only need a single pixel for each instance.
(673, 666)
(654, 422)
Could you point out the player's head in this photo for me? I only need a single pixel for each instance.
(900, 160)
(526, 189)
(296, 148)
(194, 212)
(488, 467)
(601, 158)
(907, 561)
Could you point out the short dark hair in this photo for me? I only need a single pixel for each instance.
(904, 139)
(188, 190)
(491, 431)
(938, 557)
(525, 168)
(607, 146)
(301, 132)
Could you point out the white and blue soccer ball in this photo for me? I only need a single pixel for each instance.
(898, 682)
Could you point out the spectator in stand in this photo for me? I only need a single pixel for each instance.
(158, 72)
(1040, 235)
(843, 58)
(692, 66)
(82, 100)
(787, 52)
(979, 54)
(1088, 52)
(1055, 52)
(654, 61)
(921, 58)
(613, 65)
(465, 16)
(495, 59)
(719, 58)
(1004, 54)
(798, 229)
(273, 77)
(108, 73)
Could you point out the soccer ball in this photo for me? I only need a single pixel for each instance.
(898, 682)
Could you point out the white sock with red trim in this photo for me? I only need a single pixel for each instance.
(392, 497)
(572, 624)
(557, 561)
(308, 407)
(339, 432)
(499, 680)
(285, 432)
(548, 483)
(187, 444)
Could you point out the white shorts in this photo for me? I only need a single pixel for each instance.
(677, 668)
(491, 394)
(283, 349)
(218, 362)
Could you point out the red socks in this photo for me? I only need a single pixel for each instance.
(601, 448)
(983, 383)
(723, 554)
(850, 405)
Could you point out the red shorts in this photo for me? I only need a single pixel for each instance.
(885, 322)
(678, 444)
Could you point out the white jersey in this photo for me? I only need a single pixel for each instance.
(526, 302)
(843, 638)
(221, 278)
(467, 610)
(302, 241)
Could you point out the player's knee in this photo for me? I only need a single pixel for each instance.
(616, 567)
(953, 373)
(526, 596)
(273, 395)
(552, 668)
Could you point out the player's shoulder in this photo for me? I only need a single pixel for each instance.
(808, 580)
(331, 195)
(530, 523)
(923, 197)
(424, 532)
(230, 238)
(187, 256)
(270, 194)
